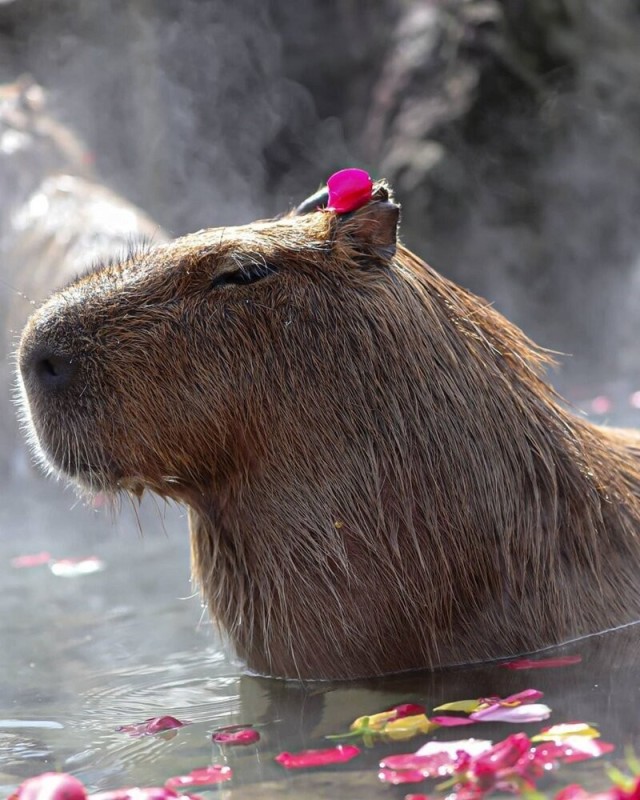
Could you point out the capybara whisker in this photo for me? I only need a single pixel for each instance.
(378, 476)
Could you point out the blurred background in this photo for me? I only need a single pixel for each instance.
(510, 130)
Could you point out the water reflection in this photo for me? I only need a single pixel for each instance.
(81, 656)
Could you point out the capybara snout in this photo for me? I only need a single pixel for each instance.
(378, 477)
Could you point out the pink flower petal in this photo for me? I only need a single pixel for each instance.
(466, 706)
(397, 777)
(408, 710)
(452, 722)
(432, 766)
(601, 404)
(571, 749)
(206, 776)
(99, 500)
(34, 560)
(51, 786)
(349, 189)
(572, 792)
(564, 730)
(526, 696)
(471, 747)
(137, 793)
(152, 726)
(437, 759)
(533, 712)
(235, 736)
(501, 756)
(318, 758)
(542, 663)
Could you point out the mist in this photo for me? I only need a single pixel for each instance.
(509, 131)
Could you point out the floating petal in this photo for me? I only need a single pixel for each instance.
(501, 756)
(51, 786)
(32, 560)
(472, 747)
(532, 712)
(397, 777)
(205, 776)
(436, 765)
(318, 758)
(542, 663)
(571, 749)
(452, 722)
(152, 726)
(467, 706)
(525, 696)
(137, 793)
(407, 727)
(235, 736)
(564, 730)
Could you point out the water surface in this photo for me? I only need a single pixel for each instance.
(83, 655)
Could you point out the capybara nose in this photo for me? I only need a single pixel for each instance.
(45, 370)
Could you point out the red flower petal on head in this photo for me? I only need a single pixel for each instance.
(349, 189)
(51, 786)
(235, 736)
(542, 663)
(318, 758)
(206, 776)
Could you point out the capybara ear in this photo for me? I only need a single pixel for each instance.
(315, 202)
(372, 229)
(367, 217)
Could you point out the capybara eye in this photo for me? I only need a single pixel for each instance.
(247, 273)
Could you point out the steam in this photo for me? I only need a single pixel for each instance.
(511, 131)
(513, 148)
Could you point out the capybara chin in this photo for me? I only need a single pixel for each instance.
(377, 474)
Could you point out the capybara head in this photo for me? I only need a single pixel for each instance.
(378, 477)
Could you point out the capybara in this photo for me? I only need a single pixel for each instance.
(377, 474)
(56, 219)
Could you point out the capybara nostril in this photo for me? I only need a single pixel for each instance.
(45, 370)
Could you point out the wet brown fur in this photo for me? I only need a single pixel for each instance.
(378, 476)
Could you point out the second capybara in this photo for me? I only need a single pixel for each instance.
(56, 218)
(377, 474)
